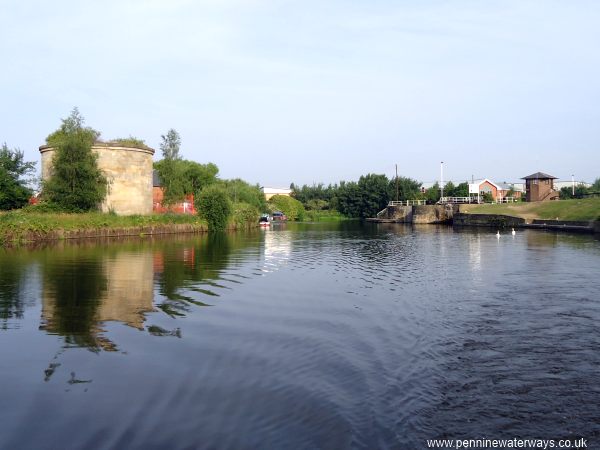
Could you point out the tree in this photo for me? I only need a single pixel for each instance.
(376, 194)
(13, 190)
(180, 177)
(213, 205)
(408, 189)
(580, 192)
(171, 142)
(433, 193)
(450, 189)
(72, 125)
(364, 198)
(239, 190)
(462, 190)
(317, 205)
(76, 183)
(198, 175)
(349, 199)
(292, 208)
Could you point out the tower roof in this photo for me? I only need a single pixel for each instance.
(539, 176)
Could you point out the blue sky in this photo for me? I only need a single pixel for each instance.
(316, 91)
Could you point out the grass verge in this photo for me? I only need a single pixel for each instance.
(323, 216)
(26, 226)
(576, 209)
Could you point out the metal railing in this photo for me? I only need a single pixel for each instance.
(455, 200)
(407, 203)
(506, 200)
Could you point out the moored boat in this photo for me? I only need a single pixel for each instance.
(264, 221)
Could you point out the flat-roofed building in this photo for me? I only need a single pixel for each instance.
(270, 192)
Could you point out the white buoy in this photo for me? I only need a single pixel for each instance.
(498, 234)
(513, 232)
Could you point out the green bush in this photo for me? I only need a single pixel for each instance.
(214, 206)
(130, 141)
(245, 214)
(44, 207)
(292, 208)
(242, 191)
(323, 216)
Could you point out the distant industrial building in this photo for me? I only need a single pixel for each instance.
(270, 192)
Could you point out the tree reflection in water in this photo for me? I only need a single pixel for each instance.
(183, 270)
(11, 277)
(87, 284)
(73, 290)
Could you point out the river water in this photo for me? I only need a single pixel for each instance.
(326, 336)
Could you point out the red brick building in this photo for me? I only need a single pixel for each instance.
(186, 206)
(539, 187)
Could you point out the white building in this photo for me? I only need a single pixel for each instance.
(270, 192)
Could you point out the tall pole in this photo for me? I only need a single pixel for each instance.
(442, 179)
(397, 191)
(573, 183)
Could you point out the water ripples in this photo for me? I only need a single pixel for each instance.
(312, 337)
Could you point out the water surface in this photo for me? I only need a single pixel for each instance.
(303, 336)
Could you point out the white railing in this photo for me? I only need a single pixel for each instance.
(381, 213)
(506, 200)
(407, 203)
(444, 200)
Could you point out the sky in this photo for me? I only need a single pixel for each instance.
(276, 91)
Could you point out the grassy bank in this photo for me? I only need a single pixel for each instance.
(22, 226)
(580, 210)
(323, 216)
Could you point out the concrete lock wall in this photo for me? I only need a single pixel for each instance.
(433, 213)
(399, 213)
(129, 174)
(487, 220)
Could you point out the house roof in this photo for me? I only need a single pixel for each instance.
(474, 186)
(539, 176)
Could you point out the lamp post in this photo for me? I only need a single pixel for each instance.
(441, 180)
(573, 184)
(397, 190)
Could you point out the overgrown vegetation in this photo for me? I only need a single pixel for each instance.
(323, 216)
(581, 191)
(37, 219)
(245, 215)
(292, 208)
(130, 141)
(575, 209)
(218, 201)
(362, 198)
(14, 192)
(180, 177)
(76, 183)
(214, 206)
(241, 191)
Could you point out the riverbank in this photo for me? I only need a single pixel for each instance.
(324, 216)
(23, 227)
(577, 215)
(562, 210)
